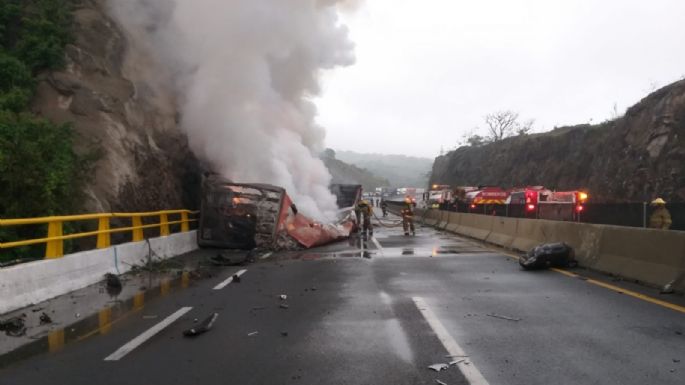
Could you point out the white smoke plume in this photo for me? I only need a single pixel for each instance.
(244, 72)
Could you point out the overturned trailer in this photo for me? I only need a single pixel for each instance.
(252, 215)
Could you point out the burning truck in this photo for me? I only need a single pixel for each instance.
(253, 215)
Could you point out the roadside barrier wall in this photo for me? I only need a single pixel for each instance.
(33, 282)
(654, 257)
(503, 231)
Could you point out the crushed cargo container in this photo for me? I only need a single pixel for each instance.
(253, 215)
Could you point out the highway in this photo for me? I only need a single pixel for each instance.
(382, 311)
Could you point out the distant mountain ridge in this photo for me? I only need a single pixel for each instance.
(399, 170)
(349, 174)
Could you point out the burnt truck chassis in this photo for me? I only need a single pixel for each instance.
(252, 215)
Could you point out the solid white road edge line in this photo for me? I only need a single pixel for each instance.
(228, 280)
(267, 255)
(471, 372)
(378, 244)
(149, 333)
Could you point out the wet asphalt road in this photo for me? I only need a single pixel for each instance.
(352, 318)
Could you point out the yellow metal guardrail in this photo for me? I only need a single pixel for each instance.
(55, 238)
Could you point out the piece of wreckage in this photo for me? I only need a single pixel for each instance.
(260, 216)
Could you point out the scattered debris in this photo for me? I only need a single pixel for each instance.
(77, 315)
(203, 327)
(676, 360)
(13, 327)
(236, 278)
(503, 317)
(226, 260)
(112, 280)
(548, 255)
(313, 288)
(455, 362)
(284, 306)
(678, 332)
(439, 367)
(45, 319)
(455, 355)
(150, 316)
(668, 288)
(254, 333)
(283, 297)
(440, 382)
(284, 334)
(36, 310)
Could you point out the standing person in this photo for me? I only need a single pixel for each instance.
(363, 211)
(384, 207)
(660, 218)
(408, 216)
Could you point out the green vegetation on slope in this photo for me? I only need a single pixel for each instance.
(40, 174)
(350, 174)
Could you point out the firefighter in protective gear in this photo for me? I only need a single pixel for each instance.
(408, 216)
(384, 207)
(660, 218)
(363, 211)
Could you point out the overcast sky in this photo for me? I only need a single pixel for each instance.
(427, 71)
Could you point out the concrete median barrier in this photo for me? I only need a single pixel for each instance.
(503, 231)
(431, 218)
(651, 256)
(453, 222)
(475, 226)
(444, 220)
(34, 282)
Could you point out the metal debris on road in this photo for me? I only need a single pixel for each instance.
(283, 297)
(439, 367)
(45, 319)
(284, 306)
(456, 362)
(284, 334)
(236, 278)
(503, 317)
(13, 327)
(252, 334)
(203, 327)
(440, 382)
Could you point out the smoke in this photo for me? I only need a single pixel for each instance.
(244, 73)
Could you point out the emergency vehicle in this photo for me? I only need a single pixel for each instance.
(438, 195)
(486, 195)
(540, 202)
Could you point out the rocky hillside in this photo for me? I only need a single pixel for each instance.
(634, 158)
(144, 162)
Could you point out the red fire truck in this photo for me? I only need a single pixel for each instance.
(540, 202)
(479, 199)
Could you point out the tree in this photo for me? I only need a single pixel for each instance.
(503, 124)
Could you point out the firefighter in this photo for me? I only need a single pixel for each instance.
(660, 218)
(408, 216)
(384, 207)
(363, 211)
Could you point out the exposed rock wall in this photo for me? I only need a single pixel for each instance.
(634, 158)
(116, 105)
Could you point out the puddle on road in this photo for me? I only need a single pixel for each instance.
(94, 310)
(398, 340)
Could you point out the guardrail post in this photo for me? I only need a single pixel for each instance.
(163, 224)
(55, 248)
(104, 240)
(137, 224)
(184, 223)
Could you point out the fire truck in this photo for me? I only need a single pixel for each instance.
(438, 195)
(483, 196)
(542, 203)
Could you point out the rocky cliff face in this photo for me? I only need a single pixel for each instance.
(634, 158)
(116, 107)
